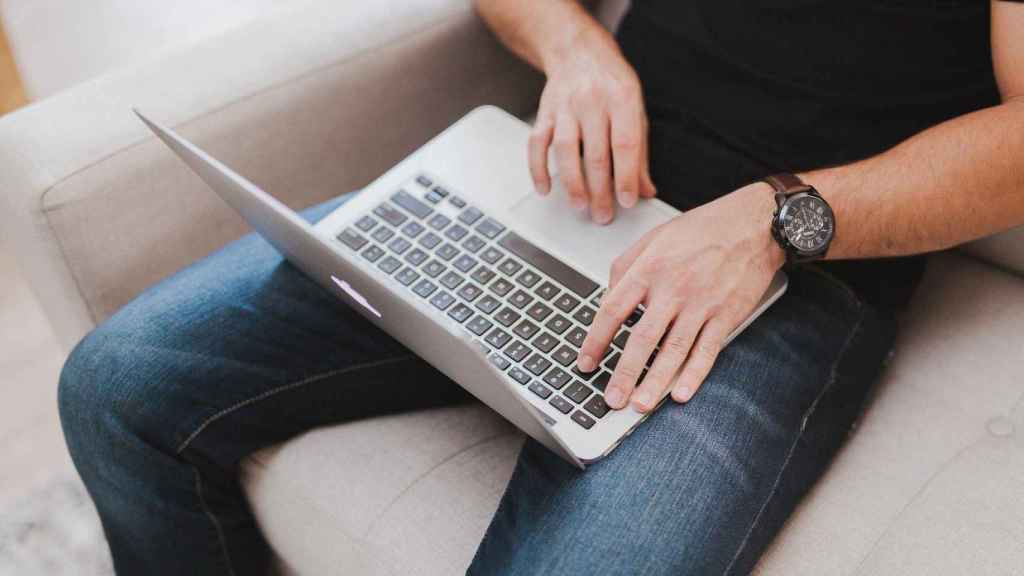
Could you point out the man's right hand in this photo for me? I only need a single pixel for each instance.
(592, 100)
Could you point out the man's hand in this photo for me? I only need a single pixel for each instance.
(699, 276)
(592, 98)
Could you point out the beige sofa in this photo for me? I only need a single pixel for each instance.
(319, 99)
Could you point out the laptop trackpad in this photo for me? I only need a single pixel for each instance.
(552, 221)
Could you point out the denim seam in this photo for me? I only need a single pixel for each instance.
(213, 518)
(803, 425)
(269, 393)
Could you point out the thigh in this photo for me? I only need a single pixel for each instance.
(701, 488)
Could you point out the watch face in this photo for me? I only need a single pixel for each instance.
(807, 222)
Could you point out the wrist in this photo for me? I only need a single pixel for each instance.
(758, 201)
(573, 32)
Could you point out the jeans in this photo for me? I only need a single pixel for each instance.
(162, 402)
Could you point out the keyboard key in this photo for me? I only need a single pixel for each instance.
(373, 253)
(441, 191)
(479, 324)
(558, 324)
(488, 304)
(457, 202)
(634, 317)
(517, 350)
(464, 263)
(399, 245)
(352, 239)
(585, 376)
(416, 257)
(585, 315)
(489, 227)
(577, 392)
(621, 339)
(460, 312)
(470, 215)
(413, 229)
(497, 338)
(390, 214)
(407, 276)
(545, 342)
(612, 361)
(539, 311)
(447, 251)
(433, 268)
(422, 180)
(474, 244)
(540, 390)
(537, 364)
(601, 382)
(469, 292)
(528, 278)
(520, 298)
(561, 404)
(366, 223)
(501, 287)
(547, 290)
(555, 269)
(456, 233)
(564, 355)
(596, 406)
(518, 374)
(576, 336)
(483, 275)
(509, 267)
(433, 197)
(451, 280)
(439, 221)
(491, 255)
(382, 234)
(389, 264)
(498, 360)
(556, 378)
(566, 303)
(430, 240)
(506, 317)
(424, 288)
(526, 329)
(411, 203)
(582, 419)
(596, 300)
(442, 300)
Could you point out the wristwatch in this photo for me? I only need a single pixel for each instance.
(803, 223)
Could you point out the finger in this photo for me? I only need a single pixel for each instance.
(671, 354)
(624, 262)
(540, 139)
(701, 358)
(598, 165)
(642, 341)
(567, 155)
(615, 307)
(647, 187)
(627, 145)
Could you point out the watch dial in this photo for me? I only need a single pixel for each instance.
(807, 222)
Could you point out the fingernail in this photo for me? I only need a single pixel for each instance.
(642, 400)
(586, 363)
(540, 188)
(681, 394)
(602, 217)
(613, 398)
(579, 204)
(627, 200)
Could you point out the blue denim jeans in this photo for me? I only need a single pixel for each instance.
(162, 402)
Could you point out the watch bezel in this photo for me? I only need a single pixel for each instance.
(780, 219)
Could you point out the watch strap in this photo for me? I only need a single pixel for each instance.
(785, 184)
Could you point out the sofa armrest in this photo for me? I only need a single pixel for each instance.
(314, 102)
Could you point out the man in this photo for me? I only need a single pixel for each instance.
(906, 116)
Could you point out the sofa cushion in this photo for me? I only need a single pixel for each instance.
(929, 484)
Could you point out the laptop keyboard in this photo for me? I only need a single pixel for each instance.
(526, 309)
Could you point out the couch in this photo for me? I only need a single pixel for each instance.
(321, 97)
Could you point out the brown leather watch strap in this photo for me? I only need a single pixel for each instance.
(784, 185)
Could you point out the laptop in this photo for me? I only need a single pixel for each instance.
(453, 254)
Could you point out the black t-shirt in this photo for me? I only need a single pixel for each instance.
(737, 90)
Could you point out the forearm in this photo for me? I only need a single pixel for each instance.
(539, 31)
(955, 182)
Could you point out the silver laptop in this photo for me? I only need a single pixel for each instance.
(453, 254)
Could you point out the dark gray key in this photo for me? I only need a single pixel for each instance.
(451, 280)
(460, 312)
(439, 221)
(612, 361)
(483, 275)
(564, 355)
(566, 303)
(526, 329)
(470, 292)
(497, 338)
(601, 382)
(528, 278)
(422, 180)
(491, 255)
(548, 264)
(464, 263)
(479, 324)
(501, 286)
(490, 228)
(433, 197)
(474, 244)
(457, 202)
(517, 350)
(441, 191)
(577, 392)
(498, 360)
(433, 268)
(596, 406)
(556, 378)
(596, 300)
(430, 240)
(413, 229)
(561, 404)
(545, 342)
(416, 257)
(442, 300)
(585, 315)
(390, 214)
(366, 223)
(389, 264)
(547, 290)
(586, 376)
(582, 419)
(520, 299)
(518, 374)
(382, 234)
(407, 276)
(634, 317)
(373, 253)
(411, 203)
(488, 304)
(352, 239)
(456, 233)
(540, 390)
(424, 288)
(509, 267)
(399, 245)
(506, 316)
(537, 364)
(447, 251)
(576, 336)
(470, 215)
(558, 324)
(621, 339)
(538, 311)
